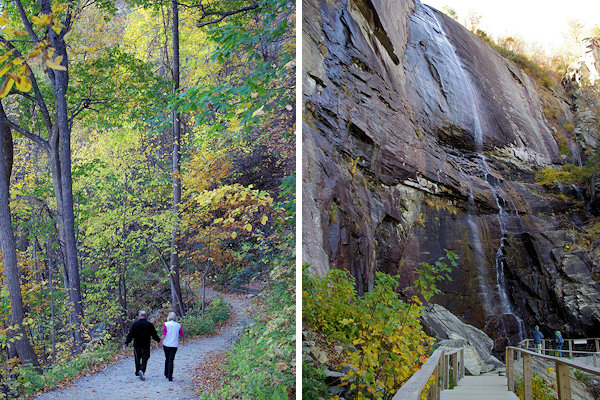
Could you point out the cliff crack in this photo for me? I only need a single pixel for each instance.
(368, 11)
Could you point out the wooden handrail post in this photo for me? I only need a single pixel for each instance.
(462, 364)
(455, 377)
(446, 371)
(570, 348)
(563, 381)
(597, 345)
(510, 371)
(437, 385)
(527, 377)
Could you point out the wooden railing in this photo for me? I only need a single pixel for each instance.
(563, 378)
(438, 365)
(568, 346)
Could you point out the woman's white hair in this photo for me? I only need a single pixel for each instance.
(172, 316)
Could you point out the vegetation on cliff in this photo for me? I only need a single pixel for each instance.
(377, 340)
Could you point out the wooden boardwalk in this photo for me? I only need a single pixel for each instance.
(483, 387)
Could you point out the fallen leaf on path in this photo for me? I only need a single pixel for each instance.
(207, 377)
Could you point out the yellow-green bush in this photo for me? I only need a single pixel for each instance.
(569, 174)
(540, 389)
(384, 340)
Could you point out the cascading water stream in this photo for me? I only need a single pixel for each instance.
(479, 257)
(463, 103)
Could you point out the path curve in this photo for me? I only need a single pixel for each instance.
(118, 381)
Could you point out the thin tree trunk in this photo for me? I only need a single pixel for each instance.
(174, 264)
(49, 253)
(9, 251)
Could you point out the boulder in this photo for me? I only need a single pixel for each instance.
(444, 325)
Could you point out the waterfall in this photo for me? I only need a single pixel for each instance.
(479, 258)
(458, 96)
(460, 99)
(506, 306)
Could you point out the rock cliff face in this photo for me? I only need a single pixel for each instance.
(587, 69)
(418, 137)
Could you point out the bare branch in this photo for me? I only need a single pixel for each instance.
(26, 21)
(222, 15)
(42, 205)
(82, 105)
(31, 136)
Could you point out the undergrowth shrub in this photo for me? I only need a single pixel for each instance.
(261, 365)
(540, 389)
(568, 174)
(386, 334)
(28, 380)
(216, 312)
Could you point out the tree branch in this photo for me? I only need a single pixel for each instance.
(82, 105)
(42, 204)
(31, 136)
(222, 15)
(36, 88)
(26, 21)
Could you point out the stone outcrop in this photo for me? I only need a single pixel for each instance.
(452, 332)
(586, 70)
(418, 137)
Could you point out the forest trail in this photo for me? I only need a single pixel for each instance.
(117, 380)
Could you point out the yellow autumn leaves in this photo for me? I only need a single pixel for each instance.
(13, 67)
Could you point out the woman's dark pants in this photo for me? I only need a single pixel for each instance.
(169, 357)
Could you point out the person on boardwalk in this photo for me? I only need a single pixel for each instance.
(141, 332)
(537, 339)
(558, 342)
(170, 340)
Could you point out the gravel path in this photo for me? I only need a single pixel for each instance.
(118, 380)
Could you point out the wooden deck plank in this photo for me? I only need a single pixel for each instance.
(484, 387)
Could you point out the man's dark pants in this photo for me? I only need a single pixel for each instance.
(141, 355)
(169, 357)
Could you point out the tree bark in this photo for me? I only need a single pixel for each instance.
(174, 262)
(61, 153)
(9, 251)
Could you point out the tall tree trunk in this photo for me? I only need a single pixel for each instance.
(174, 264)
(65, 183)
(9, 251)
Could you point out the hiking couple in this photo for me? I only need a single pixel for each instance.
(538, 336)
(142, 331)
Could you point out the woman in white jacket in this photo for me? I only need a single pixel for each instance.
(170, 340)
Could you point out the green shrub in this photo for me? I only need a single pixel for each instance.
(313, 382)
(216, 312)
(540, 389)
(568, 174)
(262, 364)
(29, 380)
(382, 335)
(581, 376)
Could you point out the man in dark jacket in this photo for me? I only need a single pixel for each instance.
(141, 332)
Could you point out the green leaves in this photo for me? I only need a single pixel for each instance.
(382, 335)
(429, 275)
